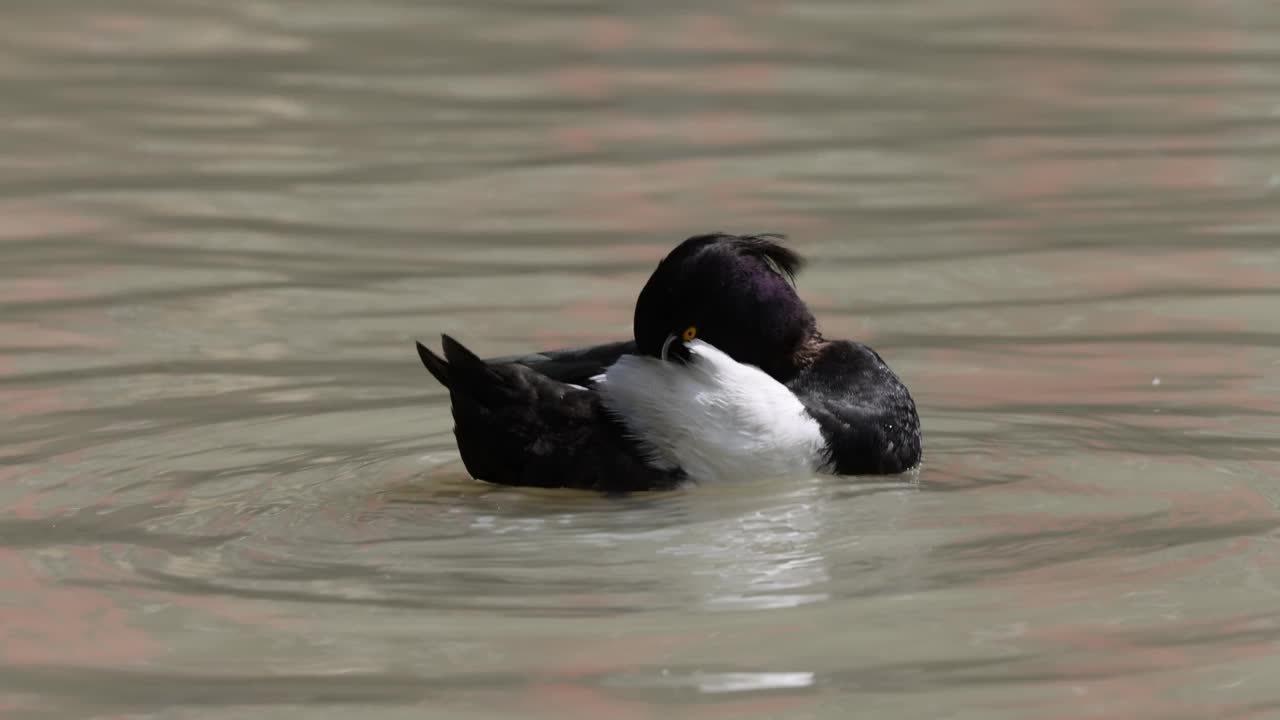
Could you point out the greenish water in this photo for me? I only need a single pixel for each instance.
(228, 489)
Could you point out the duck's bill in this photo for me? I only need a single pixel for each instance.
(675, 349)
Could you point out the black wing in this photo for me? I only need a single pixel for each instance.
(517, 426)
(573, 365)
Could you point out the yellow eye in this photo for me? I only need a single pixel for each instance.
(689, 333)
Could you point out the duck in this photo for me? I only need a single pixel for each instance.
(727, 377)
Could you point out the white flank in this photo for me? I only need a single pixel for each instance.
(716, 418)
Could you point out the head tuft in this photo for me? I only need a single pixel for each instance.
(766, 247)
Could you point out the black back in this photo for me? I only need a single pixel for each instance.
(516, 426)
(866, 414)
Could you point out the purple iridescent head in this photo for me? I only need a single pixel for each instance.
(734, 292)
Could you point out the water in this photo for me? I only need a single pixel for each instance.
(229, 490)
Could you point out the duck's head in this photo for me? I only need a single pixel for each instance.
(734, 292)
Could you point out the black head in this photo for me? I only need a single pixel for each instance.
(734, 292)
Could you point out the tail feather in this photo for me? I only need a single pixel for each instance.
(467, 370)
(472, 374)
(457, 353)
(434, 364)
(465, 374)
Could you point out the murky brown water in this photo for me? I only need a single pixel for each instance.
(228, 489)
